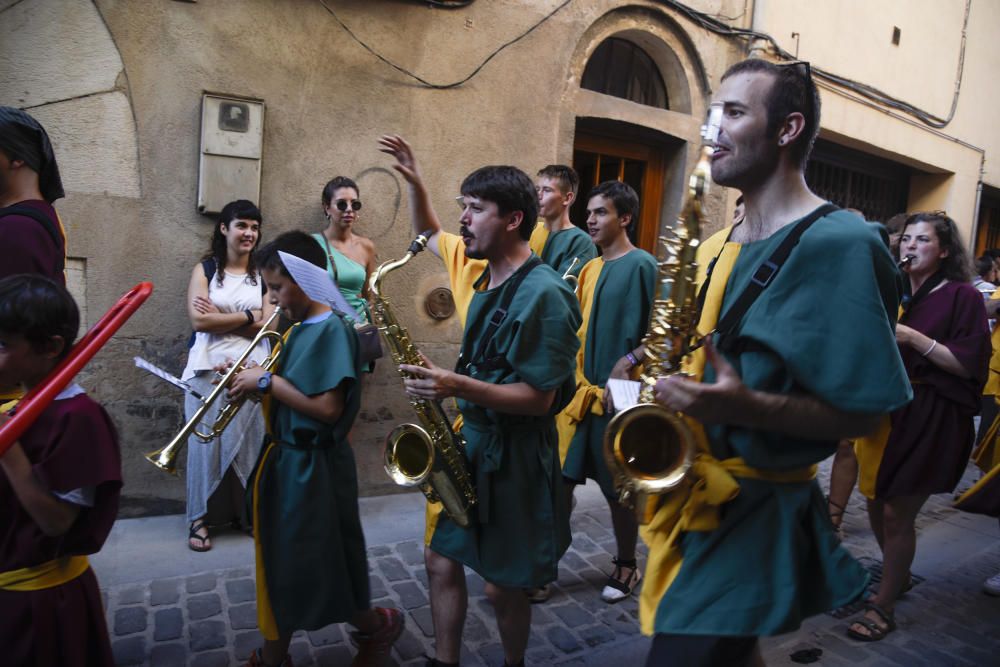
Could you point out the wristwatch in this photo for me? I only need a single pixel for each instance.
(264, 382)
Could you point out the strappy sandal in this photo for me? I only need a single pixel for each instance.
(615, 590)
(875, 632)
(205, 545)
(836, 517)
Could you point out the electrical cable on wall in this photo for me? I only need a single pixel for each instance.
(442, 86)
(712, 24)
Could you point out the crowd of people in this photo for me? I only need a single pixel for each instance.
(550, 314)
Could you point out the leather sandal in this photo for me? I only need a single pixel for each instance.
(615, 590)
(205, 545)
(875, 632)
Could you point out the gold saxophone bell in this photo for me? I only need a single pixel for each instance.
(165, 458)
(648, 448)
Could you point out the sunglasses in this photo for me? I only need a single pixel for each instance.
(342, 204)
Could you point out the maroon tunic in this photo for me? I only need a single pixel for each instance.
(72, 445)
(932, 436)
(26, 246)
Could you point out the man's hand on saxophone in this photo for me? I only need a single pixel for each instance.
(430, 382)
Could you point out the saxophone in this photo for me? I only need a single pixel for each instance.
(431, 455)
(648, 448)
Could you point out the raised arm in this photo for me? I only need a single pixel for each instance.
(423, 216)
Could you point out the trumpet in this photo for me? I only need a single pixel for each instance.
(165, 458)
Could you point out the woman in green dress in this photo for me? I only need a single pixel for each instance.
(350, 258)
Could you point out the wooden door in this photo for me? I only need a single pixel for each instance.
(600, 158)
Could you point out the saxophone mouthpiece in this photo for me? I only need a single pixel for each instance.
(419, 243)
(903, 263)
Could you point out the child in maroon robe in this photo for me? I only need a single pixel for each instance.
(59, 487)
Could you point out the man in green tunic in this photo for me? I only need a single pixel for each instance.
(514, 373)
(616, 291)
(748, 550)
(561, 241)
(312, 569)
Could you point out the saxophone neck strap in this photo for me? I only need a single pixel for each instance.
(497, 318)
(762, 277)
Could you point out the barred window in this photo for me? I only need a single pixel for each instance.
(620, 68)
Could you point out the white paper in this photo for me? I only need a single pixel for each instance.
(163, 375)
(316, 283)
(624, 393)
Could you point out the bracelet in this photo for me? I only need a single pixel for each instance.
(249, 314)
(930, 349)
(631, 359)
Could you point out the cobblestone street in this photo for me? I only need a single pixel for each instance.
(209, 618)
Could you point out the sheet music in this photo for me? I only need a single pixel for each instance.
(163, 375)
(624, 393)
(316, 283)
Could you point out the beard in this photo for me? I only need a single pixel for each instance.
(752, 165)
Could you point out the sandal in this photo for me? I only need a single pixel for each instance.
(206, 544)
(875, 632)
(616, 590)
(836, 517)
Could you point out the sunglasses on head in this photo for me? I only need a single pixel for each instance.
(342, 204)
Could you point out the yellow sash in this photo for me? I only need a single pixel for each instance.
(47, 575)
(694, 506)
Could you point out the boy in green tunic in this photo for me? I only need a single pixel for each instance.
(312, 569)
(616, 291)
(560, 240)
(812, 361)
(510, 382)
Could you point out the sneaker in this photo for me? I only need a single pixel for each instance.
(992, 585)
(538, 595)
(374, 649)
(616, 591)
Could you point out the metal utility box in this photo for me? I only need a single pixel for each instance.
(232, 140)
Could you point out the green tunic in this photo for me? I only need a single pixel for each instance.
(824, 327)
(619, 316)
(566, 244)
(521, 527)
(309, 528)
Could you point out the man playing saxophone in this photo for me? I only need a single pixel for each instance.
(514, 372)
(805, 359)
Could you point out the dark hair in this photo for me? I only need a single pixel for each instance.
(38, 308)
(335, 184)
(894, 225)
(241, 209)
(566, 175)
(956, 266)
(793, 91)
(739, 200)
(993, 252)
(984, 265)
(510, 189)
(624, 197)
(295, 243)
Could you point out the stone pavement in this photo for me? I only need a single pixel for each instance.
(208, 618)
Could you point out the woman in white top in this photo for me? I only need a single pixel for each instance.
(227, 307)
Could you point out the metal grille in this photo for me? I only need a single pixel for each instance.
(877, 187)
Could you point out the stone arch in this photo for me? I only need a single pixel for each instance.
(672, 134)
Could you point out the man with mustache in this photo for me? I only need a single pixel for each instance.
(806, 358)
(514, 373)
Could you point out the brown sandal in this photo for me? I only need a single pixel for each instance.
(876, 632)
